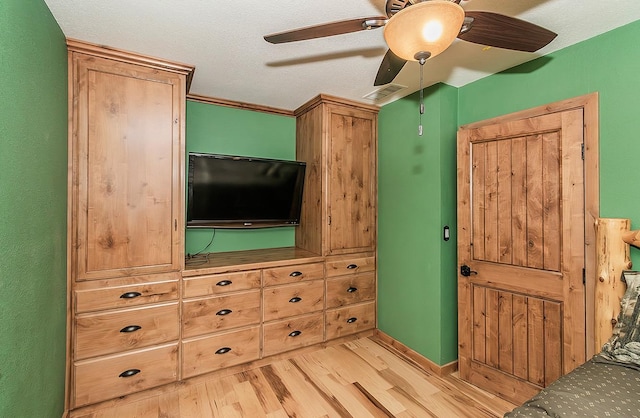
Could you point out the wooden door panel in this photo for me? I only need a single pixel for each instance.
(351, 185)
(505, 332)
(539, 282)
(521, 231)
(516, 206)
(517, 334)
(520, 338)
(128, 175)
(518, 201)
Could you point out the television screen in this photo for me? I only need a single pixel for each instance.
(243, 192)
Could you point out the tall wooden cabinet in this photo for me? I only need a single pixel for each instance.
(338, 140)
(126, 181)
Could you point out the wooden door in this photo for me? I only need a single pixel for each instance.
(128, 166)
(521, 233)
(351, 180)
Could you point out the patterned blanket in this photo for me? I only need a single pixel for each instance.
(599, 388)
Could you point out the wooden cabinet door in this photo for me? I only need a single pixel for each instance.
(127, 158)
(521, 229)
(351, 183)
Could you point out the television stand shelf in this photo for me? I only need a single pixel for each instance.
(233, 260)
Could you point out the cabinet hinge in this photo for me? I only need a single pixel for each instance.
(582, 150)
(175, 225)
(584, 277)
(329, 219)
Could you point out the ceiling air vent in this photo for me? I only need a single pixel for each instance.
(385, 91)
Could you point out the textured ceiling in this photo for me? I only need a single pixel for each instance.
(223, 39)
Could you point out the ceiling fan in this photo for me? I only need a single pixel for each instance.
(416, 30)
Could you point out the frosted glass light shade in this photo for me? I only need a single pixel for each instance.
(430, 26)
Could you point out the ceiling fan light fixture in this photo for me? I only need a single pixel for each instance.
(430, 26)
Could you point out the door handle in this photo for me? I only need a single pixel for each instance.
(466, 270)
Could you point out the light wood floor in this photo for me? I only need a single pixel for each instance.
(360, 378)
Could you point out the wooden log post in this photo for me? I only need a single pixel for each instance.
(612, 258)
(632, 238)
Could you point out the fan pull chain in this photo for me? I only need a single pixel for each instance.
(421, 98)
(421, 57)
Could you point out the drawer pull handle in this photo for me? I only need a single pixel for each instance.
(224, 283)
(224, 312)
(131, 328)
(129, 373)
(352, 266)
(352, 289)
(223, 350)
(295, 274)
(295, 333)
(295, 300)
(352, 320)
(130, 295)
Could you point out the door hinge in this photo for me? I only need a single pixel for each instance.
(582, 150)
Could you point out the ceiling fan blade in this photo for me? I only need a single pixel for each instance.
(327, 29)
(507, 32)
(389, 68)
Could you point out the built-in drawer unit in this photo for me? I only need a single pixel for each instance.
(292, 274)
(208, 315)
(350, 319)
(293, 299)
(288, 334)
(113, 376)
(97, 296)
(352, 264)
(125, 329)
(206, 354)
(214, 284)
(347, 290)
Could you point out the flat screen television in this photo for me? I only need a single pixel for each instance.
(225, 191)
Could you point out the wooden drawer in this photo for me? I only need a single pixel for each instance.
(351, 319)
(221, 283)
(125, 296)
(110, 377)
(208, 315)
(113, 331)
(339, 266)
(206, 354)
(291, 274)
(294, 299)
(347, 290)
(292, 333)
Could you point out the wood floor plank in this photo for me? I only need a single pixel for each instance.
(361, 378)
(300, 403)
(312, 378)
(169, 405)
(414, 408)
(264, 392)
(354, 400)
(248, 401)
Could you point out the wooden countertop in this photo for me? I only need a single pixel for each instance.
(211, 263)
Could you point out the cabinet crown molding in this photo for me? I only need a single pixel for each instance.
(328, 99)
(74, 45)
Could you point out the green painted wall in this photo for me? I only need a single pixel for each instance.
(608, 64)
(225, 130)
(416, 298)
(416, 191)
(33, 185)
